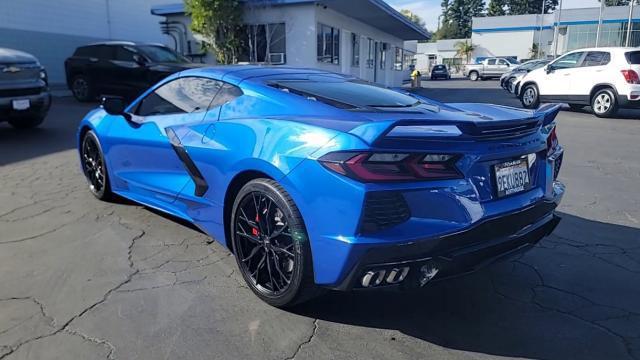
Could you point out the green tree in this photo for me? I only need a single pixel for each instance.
(521, 7)
(535, 51)
(617, 2)
(464, 49)
(448, 30)
(413, 18)
(461, 13)
(497, 8)
(220, 23)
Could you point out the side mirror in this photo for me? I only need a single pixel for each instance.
(549, 69)
(113, 105)
(140, 60)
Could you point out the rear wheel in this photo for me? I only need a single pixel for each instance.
(94, 167)
(474, 76)
(271, 245)
(530, 98)
(28, 122)
(82, 88)
(604, 103)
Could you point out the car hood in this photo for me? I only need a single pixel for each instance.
(11, 56)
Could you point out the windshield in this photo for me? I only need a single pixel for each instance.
(532, 65)
(356, 93)
(161, 54)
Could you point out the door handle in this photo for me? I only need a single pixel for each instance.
(93, 60)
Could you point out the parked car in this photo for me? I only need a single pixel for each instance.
(440, 72)
(508, 79)
(604, 78)
(316, 180)
(489, 68)
(24, 89)
(120, 68)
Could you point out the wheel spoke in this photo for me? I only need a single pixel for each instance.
(252, 254)
(279, 270)
(247, 236)
(273, 287)
(283, 250)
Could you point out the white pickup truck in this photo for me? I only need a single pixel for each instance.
(489, 68)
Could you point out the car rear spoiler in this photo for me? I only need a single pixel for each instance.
(375, 131)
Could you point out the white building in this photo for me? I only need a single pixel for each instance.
(52, 29)
(515, 36)
(364, 38)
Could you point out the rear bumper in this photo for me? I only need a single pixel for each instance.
(458, 253)
(38, 106)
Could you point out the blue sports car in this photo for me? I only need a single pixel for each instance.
(316, 180)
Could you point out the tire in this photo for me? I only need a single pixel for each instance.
(94, 167)
(29, 122)
(82, 88)
(576, 107)
(474, 76)
(283, 276)
(604, 103)
(530, 98)
(511, 85)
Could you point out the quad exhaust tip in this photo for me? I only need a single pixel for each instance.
(377, 277)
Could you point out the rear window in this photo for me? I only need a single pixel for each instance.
(439, 67)
(633, 57)
(347, 94)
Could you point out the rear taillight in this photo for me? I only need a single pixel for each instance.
(552, 142)
(380, 167)
(631, 76)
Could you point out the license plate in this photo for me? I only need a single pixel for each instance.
(512, 177)
(22, 104)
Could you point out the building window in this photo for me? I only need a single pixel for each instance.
(611, 34)
(328, 44)
(371, 54)
(398, 63)
(264, 44)
(383, 56)
(409, 59)
(355, 50)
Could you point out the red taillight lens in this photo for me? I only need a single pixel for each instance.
(380, 167)
(631, 76)
(552, 141)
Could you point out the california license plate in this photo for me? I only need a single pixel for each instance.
(22, 104)
(512, 177)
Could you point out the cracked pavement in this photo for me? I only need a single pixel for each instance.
(83, 279)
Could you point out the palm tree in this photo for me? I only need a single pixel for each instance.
(464, 49)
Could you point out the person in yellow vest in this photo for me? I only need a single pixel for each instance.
(416, 79)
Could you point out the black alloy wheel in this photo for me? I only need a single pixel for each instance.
(271, 245)
(82, 89)
(93, 166)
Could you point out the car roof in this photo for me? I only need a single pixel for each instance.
(239, 73)
(124, 43)
(609, 48)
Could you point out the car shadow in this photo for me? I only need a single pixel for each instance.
(530, 307)
(57, 133)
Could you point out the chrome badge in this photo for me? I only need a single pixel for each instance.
(11, 69)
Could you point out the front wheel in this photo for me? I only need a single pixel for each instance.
(82, 88)
(530, 98)
(94, 166)
(271, 245)
(604, 103)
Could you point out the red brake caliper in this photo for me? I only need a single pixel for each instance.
(255, 231)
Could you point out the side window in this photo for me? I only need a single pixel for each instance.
(568, 61)
(102, 52)
(503, 62)
(227, 94)
(183, 95)
(123, 53)
(596, 58)
(491, 62)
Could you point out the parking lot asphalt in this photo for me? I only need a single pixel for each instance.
(83, 279)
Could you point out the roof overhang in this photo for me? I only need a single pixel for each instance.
(375, 13)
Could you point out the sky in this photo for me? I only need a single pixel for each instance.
(429, 10)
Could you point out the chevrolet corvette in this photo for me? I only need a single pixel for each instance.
(316, 180)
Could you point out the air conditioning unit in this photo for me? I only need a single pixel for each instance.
(276, 58)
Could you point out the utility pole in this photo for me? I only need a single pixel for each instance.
(556, 31)
(602, 5)
(539, 55)
(629, 23)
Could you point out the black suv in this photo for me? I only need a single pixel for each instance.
(120, 68)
